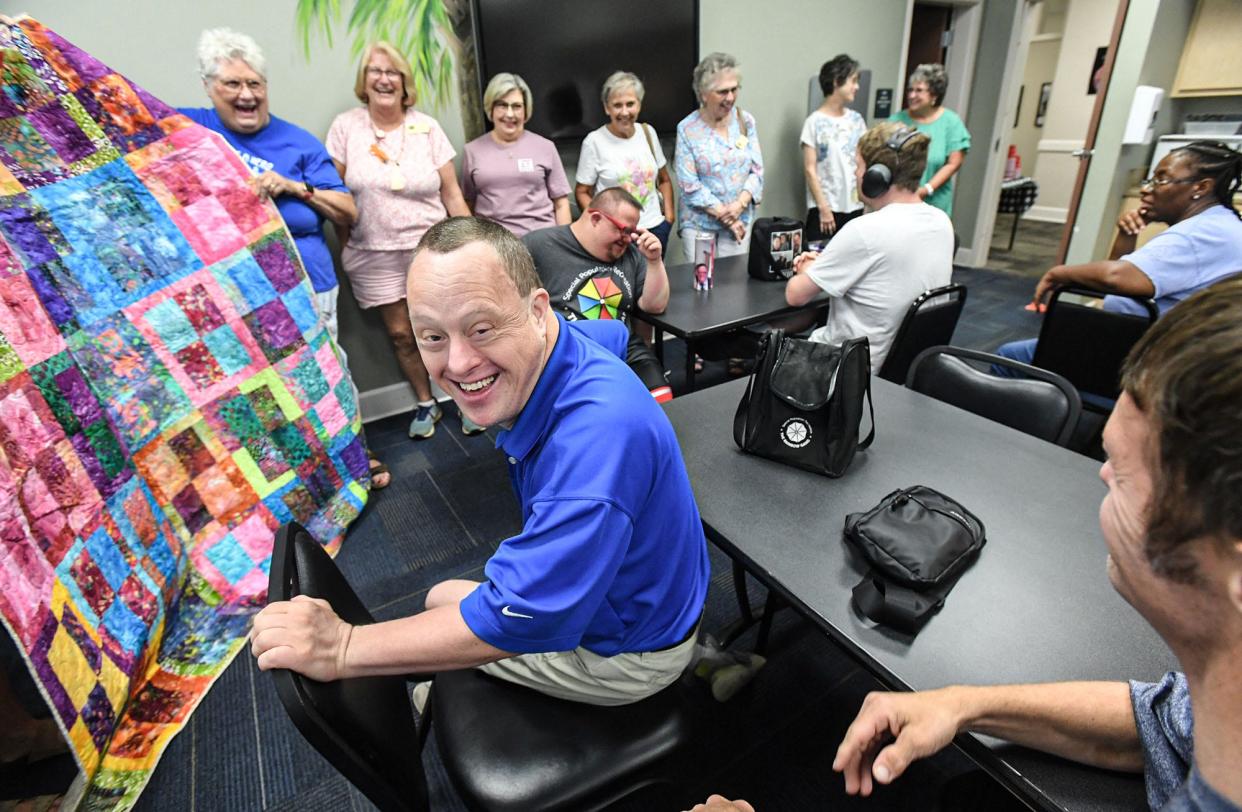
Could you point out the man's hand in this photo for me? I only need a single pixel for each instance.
(890, 731)
(273, 185)
(1044, 287)
(719, 803)
(303, 635)
(1132, 222)
(648, 245)
(804, 260)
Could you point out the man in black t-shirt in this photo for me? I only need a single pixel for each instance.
(602, 266)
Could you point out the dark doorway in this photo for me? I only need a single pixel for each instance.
(928, 44)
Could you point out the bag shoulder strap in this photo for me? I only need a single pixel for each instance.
(871, 408)
(650, 143)
(739, 417)
(741, 122)
(894, 605)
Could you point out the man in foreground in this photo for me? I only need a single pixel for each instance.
(1173, 524)
(880, 262)
(602, 266)
(598, 599)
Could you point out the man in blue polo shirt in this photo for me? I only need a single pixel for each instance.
(598, 598)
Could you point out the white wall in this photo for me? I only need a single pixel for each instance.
(1088, 25)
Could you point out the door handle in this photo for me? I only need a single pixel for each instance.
(1082, 154)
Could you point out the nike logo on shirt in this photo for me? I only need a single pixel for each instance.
(507, 612)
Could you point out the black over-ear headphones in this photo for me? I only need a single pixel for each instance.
(877, 179)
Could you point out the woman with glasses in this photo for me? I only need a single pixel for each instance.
(509, 174)
(399, 165)
(718, 162)
(289, 165)
(1192, 190)
(626, 153)
(950, 140)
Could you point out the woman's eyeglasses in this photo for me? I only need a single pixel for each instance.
(1156, 182)
(234, 86)
(511, 107)
(387, 73)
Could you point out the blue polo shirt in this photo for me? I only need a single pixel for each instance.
(291, 151)
(611, 556)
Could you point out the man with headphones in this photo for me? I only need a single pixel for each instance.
(878, 263)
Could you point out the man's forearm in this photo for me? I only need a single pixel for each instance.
(1089, 722)
(655, 288)
(431, 641)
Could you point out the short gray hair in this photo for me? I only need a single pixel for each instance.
(448, 235)
(501, 85)
(621, 80)
(711, 65)
(216, 45)
(936, 79)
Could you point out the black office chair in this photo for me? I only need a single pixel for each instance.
(504, 747)
(931, 319)
(1086, 345)
(1042, 403)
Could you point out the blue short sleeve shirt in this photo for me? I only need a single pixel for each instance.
(291, 151)
(611, 556)
(1166, 727)
(1186, 258)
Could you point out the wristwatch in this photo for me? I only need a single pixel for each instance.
(310, 190)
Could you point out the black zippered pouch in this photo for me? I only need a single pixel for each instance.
(918, 542)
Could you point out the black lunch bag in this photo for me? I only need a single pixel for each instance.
(804, 403)
(918, 542)
(774, 242)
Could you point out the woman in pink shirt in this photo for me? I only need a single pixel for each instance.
(510, 175)
(398, 164)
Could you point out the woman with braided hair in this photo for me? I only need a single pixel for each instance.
(1192, 190)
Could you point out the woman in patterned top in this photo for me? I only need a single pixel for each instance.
(830, 152)
(627, 153)
(719, 164)
(399, 165)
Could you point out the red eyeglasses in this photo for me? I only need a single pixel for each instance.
(628, 230)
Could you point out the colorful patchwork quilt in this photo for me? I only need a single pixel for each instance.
(168, 398)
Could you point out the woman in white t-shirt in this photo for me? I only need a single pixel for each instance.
(626, 153)
(829, 148)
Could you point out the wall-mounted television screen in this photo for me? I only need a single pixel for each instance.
(564, 49)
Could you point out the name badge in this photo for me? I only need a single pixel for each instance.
(420, 127)
(525, 165)
(742, 141)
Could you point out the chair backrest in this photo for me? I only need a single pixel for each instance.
(1086, 345)
(364, 727)
(931, 319)
(1042, 403)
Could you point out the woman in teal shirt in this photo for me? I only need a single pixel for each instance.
(949, 137)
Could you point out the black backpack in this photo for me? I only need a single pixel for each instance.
(774, 242)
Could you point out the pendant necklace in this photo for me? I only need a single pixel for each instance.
(396, 179)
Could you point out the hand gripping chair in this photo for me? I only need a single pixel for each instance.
(504, 747)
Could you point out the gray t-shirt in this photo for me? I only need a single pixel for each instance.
(581, 286)
(1166, 730)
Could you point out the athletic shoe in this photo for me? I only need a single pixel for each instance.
(424, 423)
(469, 427)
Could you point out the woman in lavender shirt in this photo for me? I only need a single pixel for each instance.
(510, 175)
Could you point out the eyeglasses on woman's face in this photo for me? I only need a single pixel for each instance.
(388, 73)
(509, 107)
(234, 87)
(1156, 182)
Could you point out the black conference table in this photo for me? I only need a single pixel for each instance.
(734, 301)
(1036, 606)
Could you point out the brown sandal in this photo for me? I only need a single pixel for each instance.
(378, 469)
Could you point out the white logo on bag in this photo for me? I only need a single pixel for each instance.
(795, 432)
(507, 612)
